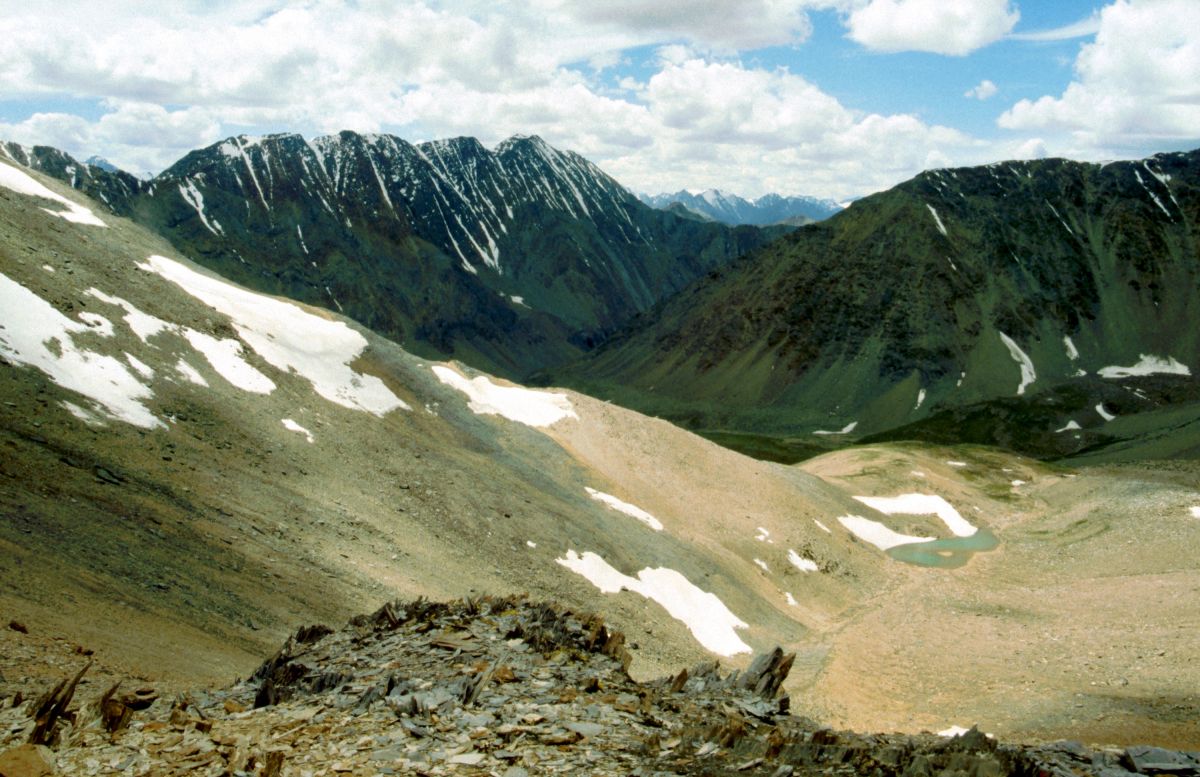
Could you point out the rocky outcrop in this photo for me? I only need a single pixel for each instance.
(514, 687)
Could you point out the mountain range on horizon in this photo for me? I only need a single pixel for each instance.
(727, 208)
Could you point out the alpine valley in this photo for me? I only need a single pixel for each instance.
(512, 259)
(1042, 306)
(274, 386)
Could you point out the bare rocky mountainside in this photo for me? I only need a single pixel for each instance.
(1044, 306)
(511, 260)
(190, 470)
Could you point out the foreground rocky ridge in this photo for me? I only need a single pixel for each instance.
(512, 687)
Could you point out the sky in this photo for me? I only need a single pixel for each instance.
(830, 98)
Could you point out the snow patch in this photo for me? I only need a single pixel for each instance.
(957, 463)
(1147, 364)
(758, 562)
(1195, 512)
(822, 526)
(190, 373)
(1061, 220)
(292, 426)
(532, 408)
(225, 356)
(625, 507)
(941, 227)
(143, 325)
(1103, 413)
(89, 418)
(705, 615)
(877, 534)
(193, 197)
(288, 338)
(791, 600)
(1028, 375)
(34, 333)
(98, 323)
(920, 399)
(921, 504)
(1071, 426)
(844, 430)
(801, 563)
(1069, 344)
(139, 366)
(21, 183)
(1153, 196)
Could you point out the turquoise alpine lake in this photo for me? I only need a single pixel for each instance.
(945, 554)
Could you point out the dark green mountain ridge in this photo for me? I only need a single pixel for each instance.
(510, 259)
(929, 298)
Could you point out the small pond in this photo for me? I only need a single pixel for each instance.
(945, 554)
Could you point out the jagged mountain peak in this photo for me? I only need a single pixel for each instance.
(102, 163)
(115, 188)
(44, 158)
(518, 141)
(733, 209)
(514, 155)
(536, 147)
(236, 145)
(462, 144)
(1054, 185)
(511, 258)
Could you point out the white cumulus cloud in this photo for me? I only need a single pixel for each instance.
(729, 25)
(727, 102)
(1079, 29)
(142, 136)
(1034, 148)
(981, 91)
(1136, 86)
(695, 107)
(718, 124)
(954, 27)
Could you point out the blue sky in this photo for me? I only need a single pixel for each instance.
(834, 98)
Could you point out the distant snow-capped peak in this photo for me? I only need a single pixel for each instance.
(733, 209)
